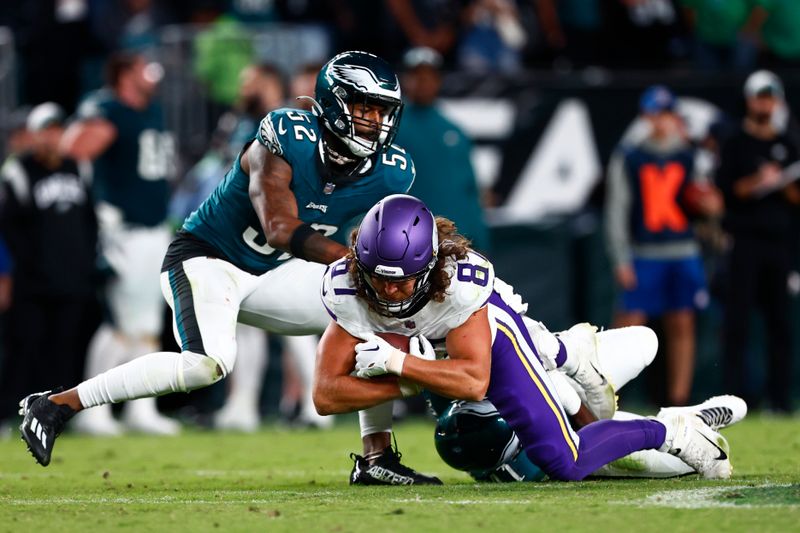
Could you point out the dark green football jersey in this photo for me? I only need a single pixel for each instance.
(227, 220)
(132, 173)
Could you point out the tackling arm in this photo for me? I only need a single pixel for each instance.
(276, 207)
(335, 389)
(465, 375)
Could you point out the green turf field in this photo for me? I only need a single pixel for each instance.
(279, 480)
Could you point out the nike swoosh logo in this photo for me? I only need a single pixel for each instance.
(370, 350)
(722, 455)
(281, 129)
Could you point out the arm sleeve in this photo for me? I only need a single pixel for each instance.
(617, 211)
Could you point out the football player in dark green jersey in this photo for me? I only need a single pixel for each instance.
(256, 249)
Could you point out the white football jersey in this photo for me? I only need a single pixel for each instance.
(471, 284)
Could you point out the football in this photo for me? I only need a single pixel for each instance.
(397, 340)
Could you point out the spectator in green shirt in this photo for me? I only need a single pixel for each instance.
(725, 32)
(780, 33)
(441, 151)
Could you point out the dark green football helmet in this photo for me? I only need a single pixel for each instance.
(358, 78)
(473, 437)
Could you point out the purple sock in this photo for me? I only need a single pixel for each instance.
(561, 358)
(608, 440)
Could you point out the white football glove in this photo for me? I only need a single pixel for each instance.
(420, 347)
(375, 357)
(546, 343)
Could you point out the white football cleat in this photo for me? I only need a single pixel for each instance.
(581, 343)
(700, 447)
(717, 412)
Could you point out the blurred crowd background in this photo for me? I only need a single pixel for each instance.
(525, 118)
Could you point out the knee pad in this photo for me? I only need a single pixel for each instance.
(198, 371)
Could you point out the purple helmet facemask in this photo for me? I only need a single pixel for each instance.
(397, 241)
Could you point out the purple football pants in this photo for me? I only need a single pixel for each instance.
(522, 393)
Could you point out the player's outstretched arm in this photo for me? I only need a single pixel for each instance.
(465, 374)
(335, 389)
(88, 139)
(276, 207)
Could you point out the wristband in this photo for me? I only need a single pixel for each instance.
(394, 363)
(298, 239)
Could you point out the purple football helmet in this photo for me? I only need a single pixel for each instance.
(397, 241)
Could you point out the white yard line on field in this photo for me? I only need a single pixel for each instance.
(703, 498)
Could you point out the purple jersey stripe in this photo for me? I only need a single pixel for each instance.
(337, 291)
(329, 311)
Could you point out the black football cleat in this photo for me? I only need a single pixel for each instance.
(42, 422)
(387, 470)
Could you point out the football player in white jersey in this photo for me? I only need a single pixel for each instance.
(411, 274)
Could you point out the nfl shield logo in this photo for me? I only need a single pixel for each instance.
(410, 324)
(328, 189)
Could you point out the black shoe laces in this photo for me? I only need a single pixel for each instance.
(716, 416)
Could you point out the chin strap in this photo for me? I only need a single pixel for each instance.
(336, 157)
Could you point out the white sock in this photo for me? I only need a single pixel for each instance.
(150, 375)
(106, 350)
(376, 419)
(570, 365)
